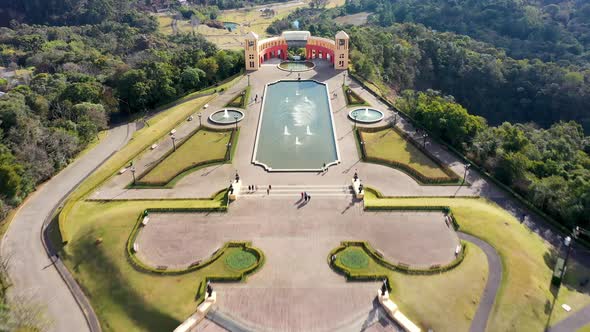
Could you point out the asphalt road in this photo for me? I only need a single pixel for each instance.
(480, 320)
(32, 271)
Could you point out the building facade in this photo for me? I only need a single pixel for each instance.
(257, 51)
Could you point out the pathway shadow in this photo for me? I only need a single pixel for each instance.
(110, 282)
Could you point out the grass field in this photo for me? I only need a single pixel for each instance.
(123, 298)
(389, 145)
(201, 147)
(525, 296)
(443, 302)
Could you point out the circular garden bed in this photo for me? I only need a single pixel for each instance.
(240, 260)
(354, 258)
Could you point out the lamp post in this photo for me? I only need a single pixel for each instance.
(133, 173)
(344, 79)
(200, 115)
(355, 115)
(467, 165)
(236, 121)
(424, 136)
(394, 119)
(173, 142)
(248, 79)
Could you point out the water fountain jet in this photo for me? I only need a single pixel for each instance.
(225, 114)
(297, 141)
(286, 131)
(309, 131)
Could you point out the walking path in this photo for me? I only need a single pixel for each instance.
(33, 271)
(486, 303)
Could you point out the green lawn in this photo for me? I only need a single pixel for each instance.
(123, 298)
(203, 146)
(390, 145)
(443, 302)
(352, 98)
(241, 99)
(586, 328)
(525, 295)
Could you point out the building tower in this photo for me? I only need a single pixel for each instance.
(341, 50)
(251, 55)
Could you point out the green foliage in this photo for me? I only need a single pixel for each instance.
(441, 116)
(352, 98)
(240, 260)
(10, 181)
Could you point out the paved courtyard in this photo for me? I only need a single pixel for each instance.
(296, 290)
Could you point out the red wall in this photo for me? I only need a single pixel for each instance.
(324, 50)
(267, 51)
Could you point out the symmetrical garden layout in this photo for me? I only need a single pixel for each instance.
(143, 240)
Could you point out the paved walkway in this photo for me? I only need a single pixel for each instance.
(486, 303)
(574, 322)
(33, 273)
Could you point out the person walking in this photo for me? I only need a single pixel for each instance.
(302, 195)
(305, 196)
(256, 98)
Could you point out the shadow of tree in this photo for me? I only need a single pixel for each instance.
(110, 282)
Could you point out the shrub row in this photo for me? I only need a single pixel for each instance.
(451, 178)
(547, 218)
(352, 98)
(228, 154)
(445, 209)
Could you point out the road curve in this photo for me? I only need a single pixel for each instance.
(480, 320)
(33, 272)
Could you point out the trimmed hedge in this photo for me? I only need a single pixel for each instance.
(377, 257)
(240, 100)
(352, 98)
(140, 266)
(228, 157)
(547, 218)
(452, 178)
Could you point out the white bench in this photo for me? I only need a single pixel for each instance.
(154, 146)
(457, 249)
(135, 247)
(173, 131)
(145, 220)
(123, 170)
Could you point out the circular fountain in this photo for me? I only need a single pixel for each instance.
(226, 116)
(296, 65)
(366, 115)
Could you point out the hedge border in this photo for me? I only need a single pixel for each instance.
(453, 178)
(347, 97)
(550, 221)
(142, 267)
(244, 103)
(379, 259)
(189, 169)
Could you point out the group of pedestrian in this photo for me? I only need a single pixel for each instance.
(252, 188)
(305, 196)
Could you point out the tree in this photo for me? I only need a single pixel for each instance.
(191, 78)
(210, 67)
(10, 181)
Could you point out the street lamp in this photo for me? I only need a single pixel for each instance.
(355, 115)
(394, 119)
(424, 136)
(344, 79)
(467, 165)
(248, 79)
(236, 121)
(173, 142)
(133, 172)
(200, 115)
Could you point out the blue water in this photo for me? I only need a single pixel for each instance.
(295, 24)
(284, 141)
(231, 26)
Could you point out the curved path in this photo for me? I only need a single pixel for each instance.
(38, 276)
(573, 322)
(480, 320)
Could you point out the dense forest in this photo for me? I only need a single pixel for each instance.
(511, 116)
(546, 29)
(73, 79)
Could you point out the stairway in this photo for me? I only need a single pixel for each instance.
(295, 191)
